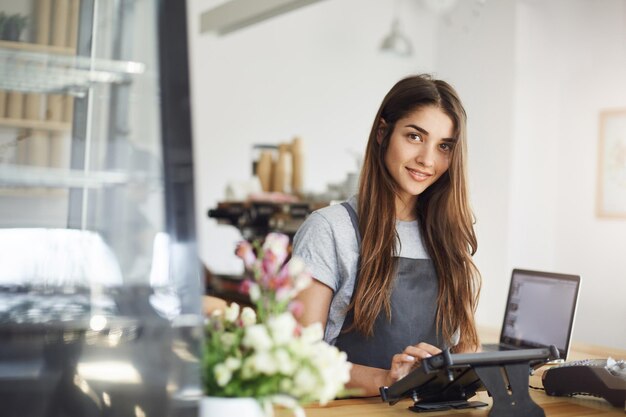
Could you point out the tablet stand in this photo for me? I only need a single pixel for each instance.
(447, 381)
(510, 398)
(446, 405)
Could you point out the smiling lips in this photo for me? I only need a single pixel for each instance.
(418, 175)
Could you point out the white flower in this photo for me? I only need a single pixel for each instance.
(312, 333)
(254, 292)
(248, 316)
(286, 385)
(300, 348)
(275, 251)
(222, 374)
(282, 328)
(277, 243)
(232, 312)
(265, 363)
(233, 363)
(256, 337)
(283, 294)
(302, 281)
(248, 370)
(228, 340)
(298, 273)
(333, 368)
(286, 365)
(304, 382)
(296, 266)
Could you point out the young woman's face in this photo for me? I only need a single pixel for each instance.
(419, 151)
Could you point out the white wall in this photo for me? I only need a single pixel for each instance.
(533, 76)
(571, 65)
(475, 51)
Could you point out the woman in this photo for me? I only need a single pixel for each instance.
(396, 283)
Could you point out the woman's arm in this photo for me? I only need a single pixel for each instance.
(210, 304)
(365, 380)
(368, 380)
(316, 300)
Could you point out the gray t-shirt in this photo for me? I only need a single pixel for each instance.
(327, 243)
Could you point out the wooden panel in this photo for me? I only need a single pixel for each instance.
(374, 407)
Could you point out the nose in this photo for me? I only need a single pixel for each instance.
(425, 157)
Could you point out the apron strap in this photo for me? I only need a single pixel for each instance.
(355, 221)
(355, 224)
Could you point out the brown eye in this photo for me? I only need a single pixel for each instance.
(445, 147)
(415, 137)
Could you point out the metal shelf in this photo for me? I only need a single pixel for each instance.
(28, 71)
(12, 176)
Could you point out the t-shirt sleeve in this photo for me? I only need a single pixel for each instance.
(315, 244)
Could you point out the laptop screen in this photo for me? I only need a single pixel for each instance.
(540, 310)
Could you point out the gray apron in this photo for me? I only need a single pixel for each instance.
(413, 313)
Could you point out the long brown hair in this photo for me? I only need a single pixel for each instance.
(443, 211)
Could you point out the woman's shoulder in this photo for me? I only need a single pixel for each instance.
(332, 220)
(337, 209)
(333, 213)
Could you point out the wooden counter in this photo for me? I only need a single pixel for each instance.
(553, 406)
(373, 407)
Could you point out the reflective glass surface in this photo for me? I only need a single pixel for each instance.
(98, 316)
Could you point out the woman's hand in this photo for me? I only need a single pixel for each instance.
(402, 363)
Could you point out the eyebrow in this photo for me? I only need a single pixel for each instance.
(424, 131)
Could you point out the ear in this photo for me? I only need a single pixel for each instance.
(380, 130)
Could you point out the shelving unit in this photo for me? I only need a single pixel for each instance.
(65, 99)
(49, 73)
(36, 98)
(48, 125)
(28, 176)
(97, 211)
(35, 47)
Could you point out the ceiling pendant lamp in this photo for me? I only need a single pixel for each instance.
(396, 42)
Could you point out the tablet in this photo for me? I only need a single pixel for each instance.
(449, 377)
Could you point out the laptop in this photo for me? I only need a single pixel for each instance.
(540, 311)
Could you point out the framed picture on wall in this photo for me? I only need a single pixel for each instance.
(611, 195)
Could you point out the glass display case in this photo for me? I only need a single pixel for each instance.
(99, 275)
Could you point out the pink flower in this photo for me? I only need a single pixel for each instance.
(296, 307)
(278, 245)
(245, 252)
(282, 280)
(265, 280)
(244, 288)
(283, 294)
(271, 262)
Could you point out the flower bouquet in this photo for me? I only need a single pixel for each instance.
(266, 354)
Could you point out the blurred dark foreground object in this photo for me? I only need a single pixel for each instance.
(84, 361)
